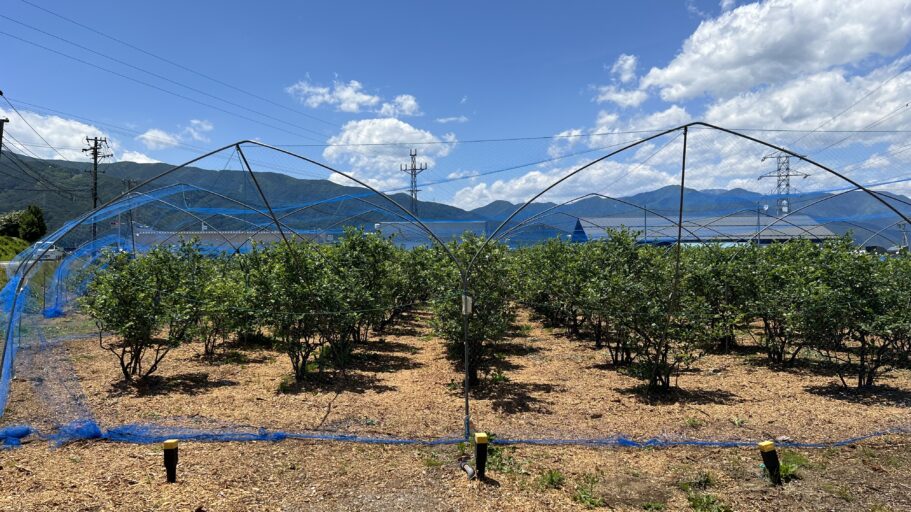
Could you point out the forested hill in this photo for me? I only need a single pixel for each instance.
(64, 193)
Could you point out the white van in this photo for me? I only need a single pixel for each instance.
(46, 251)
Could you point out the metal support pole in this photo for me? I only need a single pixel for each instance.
(466, 312)
(2, 122)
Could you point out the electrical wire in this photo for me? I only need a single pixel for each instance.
(178, 65)
(16, 110)
(162, 77)
(153, 86)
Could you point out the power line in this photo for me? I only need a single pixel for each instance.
(466, 141)
(30, 126)
(178, 65)
(25, 169)
(859, 100)
(161, 77)
(153, 86)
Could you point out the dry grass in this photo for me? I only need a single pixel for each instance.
(403, 386)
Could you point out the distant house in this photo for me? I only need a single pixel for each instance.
(724, 229)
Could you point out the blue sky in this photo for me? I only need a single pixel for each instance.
(446, 74)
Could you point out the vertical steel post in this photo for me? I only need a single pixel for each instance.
(466, 312)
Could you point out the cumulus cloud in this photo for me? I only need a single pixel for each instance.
(136, 156)
(621, 97)
(777, 40)
(344, 96)
(402, 105)
(66, 135)
(154, 138)
(607, 177)
(362, 146)
(196, 131)
(727, 5)
(624, 67)
(809, 101)
(352, 98)
(563, 142)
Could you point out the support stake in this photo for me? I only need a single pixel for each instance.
(770, 460)
(480, 453)
(170, 459)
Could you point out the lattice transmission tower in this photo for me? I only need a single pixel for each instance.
(414, 169)
(782, 174)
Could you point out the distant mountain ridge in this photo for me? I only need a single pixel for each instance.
(855, 211)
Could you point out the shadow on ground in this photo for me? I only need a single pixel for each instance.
(878, 395)
(182, 383)
(682, 396)
(516, 397)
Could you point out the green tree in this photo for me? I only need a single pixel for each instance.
(667, 325)
(787, 277)
(490, 287)
(223, 304)
(150, 303)
(31, 224)
(858, 317)
(724, 278)
(287, 283)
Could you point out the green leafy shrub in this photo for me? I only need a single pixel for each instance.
(490, 287)
(151, 304)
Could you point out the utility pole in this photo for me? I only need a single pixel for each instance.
(414, 170)
(95, 149)
(2, 122)
(129, 186)
(782, 174)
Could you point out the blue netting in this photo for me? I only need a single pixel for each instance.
(186, 210)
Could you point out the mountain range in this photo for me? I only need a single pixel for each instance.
(64, 193)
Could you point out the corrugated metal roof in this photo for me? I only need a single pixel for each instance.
(702, 229)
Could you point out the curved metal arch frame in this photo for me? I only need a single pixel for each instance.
(542, 213)
(463, 273)
(669, 131)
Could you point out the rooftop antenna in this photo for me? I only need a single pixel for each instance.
(782, 174)
(414, 170)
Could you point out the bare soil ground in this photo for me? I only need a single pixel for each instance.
(402, 386)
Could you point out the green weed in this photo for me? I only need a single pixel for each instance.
(702, 502)
(551, 479)
(586, 494)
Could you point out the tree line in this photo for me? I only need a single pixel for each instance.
(649, 315)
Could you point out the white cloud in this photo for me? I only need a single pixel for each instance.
(625, 67)
(727, 5)
(344, 96)
(402, 105)
(153, 138)
(464, 100)
(136, 156)
(453, 119)
(198, 129)
(621, 97)
(809, 101)
(777, 40)
(362, 146)
(607, 177)
(66, 135)
(563, 142)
